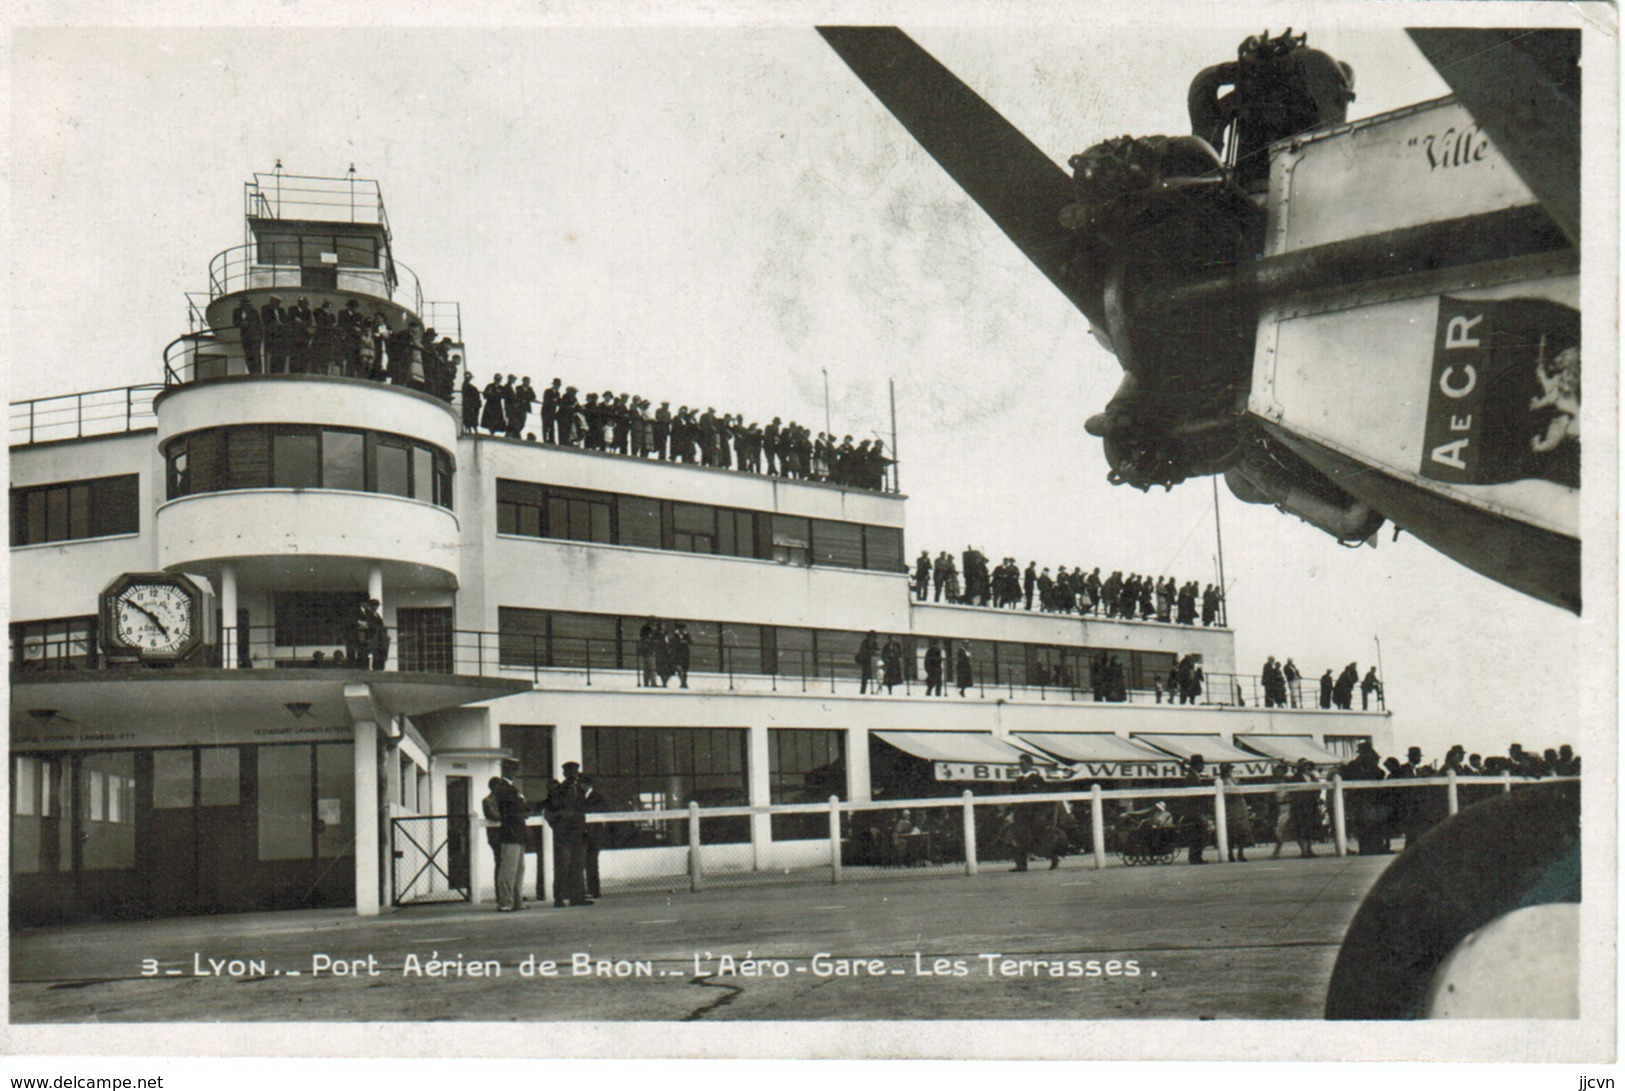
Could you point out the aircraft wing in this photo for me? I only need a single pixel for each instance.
(1020, 187)
(1523, 87)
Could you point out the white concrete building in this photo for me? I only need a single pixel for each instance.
(514, 578)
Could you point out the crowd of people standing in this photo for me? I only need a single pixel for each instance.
(301, 340)
(971, 582)
(626, 424)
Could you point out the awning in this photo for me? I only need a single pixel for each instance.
(1096, 756)
(1213, 749)
(1290, 748)
(960, 755)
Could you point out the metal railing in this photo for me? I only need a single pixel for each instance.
(279, 196)
(961, 835)
(600, 662)
(213, 354)
(92, 413)
(240, 269)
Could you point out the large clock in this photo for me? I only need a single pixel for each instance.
(157, 616)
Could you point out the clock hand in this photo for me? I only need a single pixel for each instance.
(153, 618)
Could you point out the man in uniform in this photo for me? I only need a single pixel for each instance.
(274, 322)
(550, 411)
(567, 814)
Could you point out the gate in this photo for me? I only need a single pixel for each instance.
(429, 854)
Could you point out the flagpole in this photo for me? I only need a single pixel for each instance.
(1218, 533)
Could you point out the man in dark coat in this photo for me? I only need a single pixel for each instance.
(962, 670)
(1368, 686)
(493, 418)
(865, 659)
(922, 576)
(251, 331)
(471, 403)
(278, 337)
(1029, 581)
(1028, 823)
(550, 411)
(1195, 809)
(300, 328)
(1343, 691)
(510, 815)
(567, 814)
(1326, 689)
(933, 670)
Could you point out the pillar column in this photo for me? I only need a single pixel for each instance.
(857, 765)
(759, 767)
(228, 616)
(368, 882)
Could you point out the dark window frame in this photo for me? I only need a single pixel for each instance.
(252, 442)
(106, 507)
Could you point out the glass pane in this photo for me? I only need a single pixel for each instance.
(284, 802)
(599, 530)
(837, 544)
(247, 459)
(640, 521)
(56, 515)
(220, 785)
(694, 518)
(171, 779)
(25, 789)
(422, 474)
(335, 799)
(883, 549)
(294, 457)
(79, 511)
(392, 469)
(109, 832)
(343, 461)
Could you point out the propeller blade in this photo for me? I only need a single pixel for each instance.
(1020, 187)
(1523, 87)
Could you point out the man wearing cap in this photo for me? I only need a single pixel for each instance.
(1304, 808)
(1027, 819)
(300, 323)
(550, 411)
(567, 813)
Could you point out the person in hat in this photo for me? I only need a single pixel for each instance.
(250, 331)
(566, 809)
(1195, 809)
(506, 807)
(1304, 808)
(274, 321)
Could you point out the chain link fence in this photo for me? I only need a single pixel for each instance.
(692, 849)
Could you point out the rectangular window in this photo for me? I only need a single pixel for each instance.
(92, 508)
(171, 779)
(344, 460)
(639, 518)
(805, 766)
(394, 469)
(219, 784)
(578, 516)
(660, 768)
(583, 640)
(422, 474)
(248, 459)
(736, 533)
(521, 637)
(531, 766)
(307, 620)
(358, 251)
(694, 528)
(278, 249)
(67, 643)
(742, 646)
(294, 460)
(284, 802)
(838, 544)
(442, 480)
(883, 549)
(792, 539)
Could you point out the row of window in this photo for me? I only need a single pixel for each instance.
(655, 769)
(580, 515)
(559, 638)
(79, 812)
(92, 508)
(277, 248)
(306, 457)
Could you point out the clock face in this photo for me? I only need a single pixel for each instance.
(153, 617)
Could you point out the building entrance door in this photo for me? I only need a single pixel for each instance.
(195, 829)
(459, 827)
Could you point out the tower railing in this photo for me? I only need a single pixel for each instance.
(240, 269)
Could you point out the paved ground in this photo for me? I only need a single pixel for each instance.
(1254, 940)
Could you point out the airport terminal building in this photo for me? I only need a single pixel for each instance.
(188, 559)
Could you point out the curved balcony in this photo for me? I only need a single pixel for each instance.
(318, 400)
(325, 537)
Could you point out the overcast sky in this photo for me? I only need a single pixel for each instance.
(714, 217)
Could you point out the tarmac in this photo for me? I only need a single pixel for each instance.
(1243, 941)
